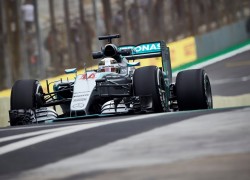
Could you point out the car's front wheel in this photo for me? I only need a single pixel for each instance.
(23, 97)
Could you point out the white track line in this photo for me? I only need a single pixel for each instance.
(62, 131)
(19, 136)
(49, 124)
(232, 80)
(218, 59)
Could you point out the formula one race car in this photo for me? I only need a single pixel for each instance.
(119, 85)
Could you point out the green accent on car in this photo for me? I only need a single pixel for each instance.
(145, 48)
(132, 64)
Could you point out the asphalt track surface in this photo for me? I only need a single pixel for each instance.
(231, 77)
(207, 144)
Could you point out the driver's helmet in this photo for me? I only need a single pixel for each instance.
(108, 65)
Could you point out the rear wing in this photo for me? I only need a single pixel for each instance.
(151, 50)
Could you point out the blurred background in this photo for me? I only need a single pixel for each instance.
(39, 39)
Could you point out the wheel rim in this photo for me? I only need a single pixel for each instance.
(161, 90)
(208, 93)
(39, 100)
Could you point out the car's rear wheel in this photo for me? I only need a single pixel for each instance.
(149, 82)
(23, 96)
(193, 90)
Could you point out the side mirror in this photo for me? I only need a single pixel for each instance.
(70, 71)
(133, 64)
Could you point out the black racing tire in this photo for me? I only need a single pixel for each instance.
(23, 94)
(149, 81)
(193, 90)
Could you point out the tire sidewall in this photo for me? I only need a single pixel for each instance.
(191, 89)
(146, 83)
(23, 94)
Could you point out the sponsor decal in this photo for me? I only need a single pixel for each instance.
(79, 99)
(85, 76)
(183, 51)
(81, 95)
(78, 106)
(81, 92)
(147, 48)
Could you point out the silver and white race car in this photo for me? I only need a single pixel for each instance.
(120, 85)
